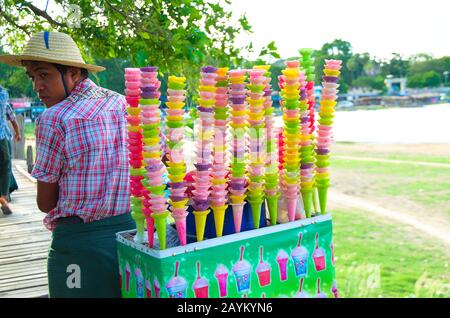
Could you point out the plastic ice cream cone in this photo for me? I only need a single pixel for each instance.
(180, 222)
(160, 225)
(238, 210)
(150, 230)
(256, 211)
(200, 222)
(307, 202)
(219, 218)
(292, 207)
(323, 191)
(272, 203)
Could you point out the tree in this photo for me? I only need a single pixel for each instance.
(338, 49)
(177, 35)
(427, 79)
(397, 66)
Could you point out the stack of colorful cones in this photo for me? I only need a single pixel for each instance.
(238, 182)
(202, 177)
(156, 205)
(257, 146)
(177, 165)
(306, 149)
(271, 165)
(307, 62)
(135, 147)
(324, 139)
(291, 136)
(219, 195)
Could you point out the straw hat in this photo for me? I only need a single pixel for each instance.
(51, 47)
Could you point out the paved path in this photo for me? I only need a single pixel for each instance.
(24, 243)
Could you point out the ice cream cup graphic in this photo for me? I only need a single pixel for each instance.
(148, 289)
(282, 259)
(222, 278)
(200, 285)
(263, 270)
(120, 274)
(176, 287)
(301, 293)
(139, 279)
(319, 293)
(319, 256)
(242, 273)
(157, 287)
(300, 257)
(127, 277)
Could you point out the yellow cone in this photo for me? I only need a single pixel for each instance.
(160, 225)
(256, 212)
(200, 222)
(307, 202)
(219, 218)
(323, 199)
(272, 204)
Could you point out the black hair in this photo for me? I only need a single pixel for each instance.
(63, 68)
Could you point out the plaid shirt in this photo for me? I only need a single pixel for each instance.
(6, 113)
(81, 144)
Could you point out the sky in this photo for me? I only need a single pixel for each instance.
(378, 27)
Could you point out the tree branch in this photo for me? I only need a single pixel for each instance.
(43, 14)
(9, 19)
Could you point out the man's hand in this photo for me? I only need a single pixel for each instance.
(17, 136)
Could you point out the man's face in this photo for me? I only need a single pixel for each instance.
(47, 82)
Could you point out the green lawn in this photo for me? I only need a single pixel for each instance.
(29, 130)
(376, 258)
(354, 150)
(379, 258)
(425, 185)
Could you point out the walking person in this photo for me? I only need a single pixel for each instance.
(6, 113)
(81, 167)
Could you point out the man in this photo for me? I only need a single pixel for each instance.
(6, 113)
(81, 167)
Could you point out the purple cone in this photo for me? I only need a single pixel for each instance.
(205, 109)
(237, 99)
(200, 205)
(175, 198)
(209, 69)
(149, 69)
(322, 151)
(149, 88)
(237, 186)
(330, 79)
(176, 185)
(153, 168)
(306, 165)
(202, 166)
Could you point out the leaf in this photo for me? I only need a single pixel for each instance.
(272, 46)
(144, 35)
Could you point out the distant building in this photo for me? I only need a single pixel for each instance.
(395, 86)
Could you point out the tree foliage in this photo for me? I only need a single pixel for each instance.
(177, 35)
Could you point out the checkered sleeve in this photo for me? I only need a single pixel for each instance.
(49, 152)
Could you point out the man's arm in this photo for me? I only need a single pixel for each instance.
(17, 135)
(47, 196)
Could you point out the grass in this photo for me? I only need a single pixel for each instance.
(425, 185)
(377, 258)
(29, 130)
(423, 152)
